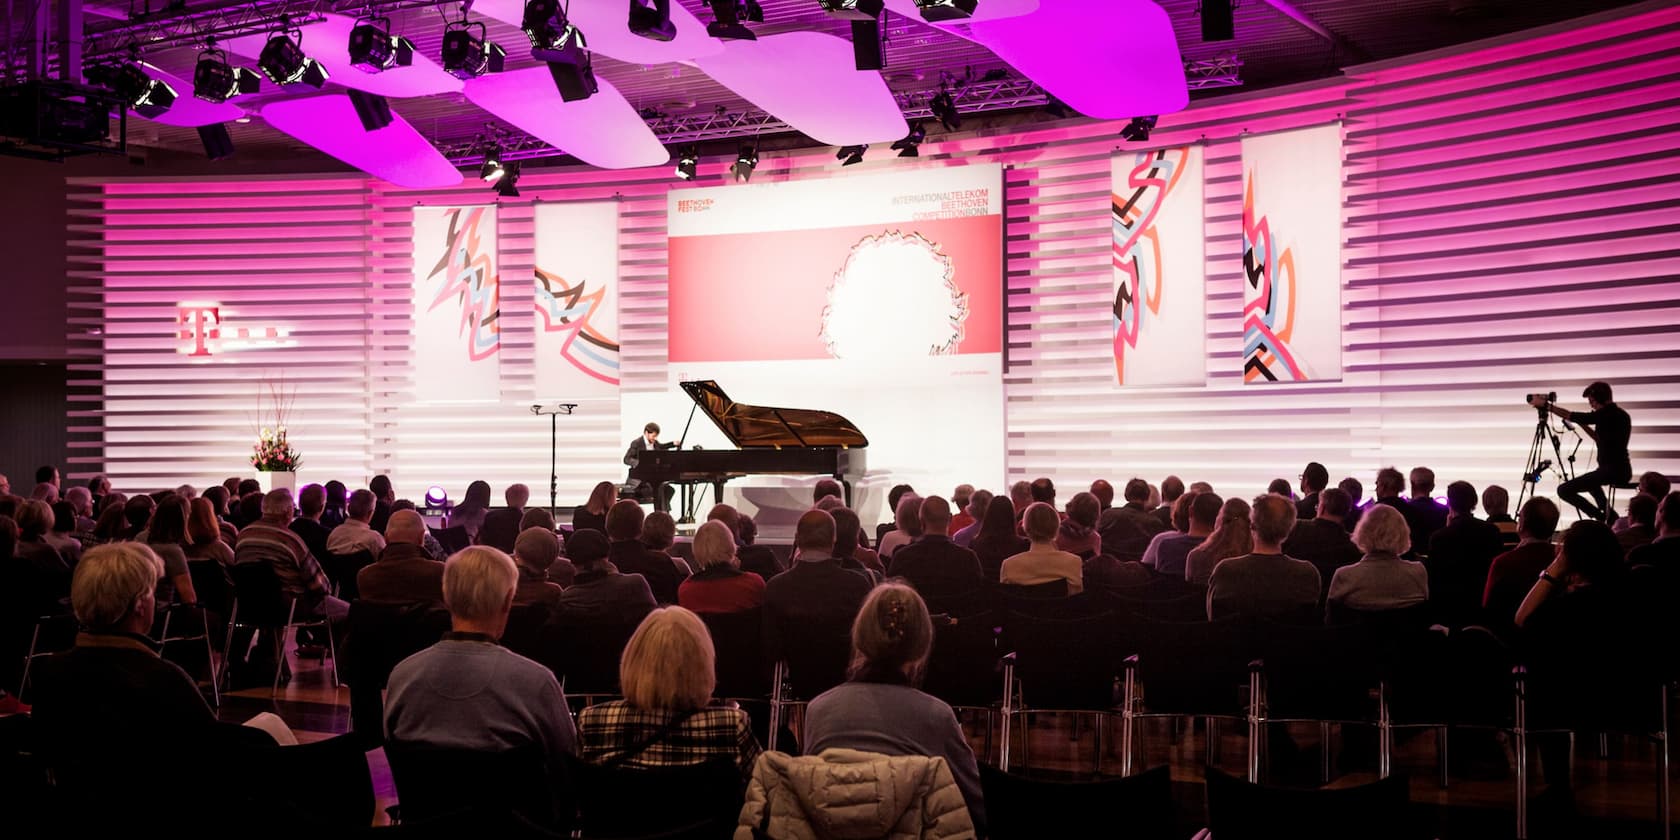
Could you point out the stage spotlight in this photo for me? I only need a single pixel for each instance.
(560, 45)
(1138, 129)
(372, 109)
(1217, 21)
(746, 160)
(129, 80)
(492, 170)
(911, 145)
(935, 11)
(437, 500)
(688, 162)
(849, 155)
(854, 9)
(507, 185)
(284, 63)
(466, 56)
(727, 15)
(215, 79)
(373, 48)
(652, 20)
(945, 110)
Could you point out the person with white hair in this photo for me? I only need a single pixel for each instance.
(1380, 580)
(469, 693)
(81, 501)
(356, 534)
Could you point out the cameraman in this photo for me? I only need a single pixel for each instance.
(1613, 427)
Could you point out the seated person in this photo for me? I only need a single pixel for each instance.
(1194, 516)
(1381, 580)
(1078, 532)
(848, 529)
(1322, 539)
(632, 557)
(1265, 583)
(403, 573)
(534, 552)
(879, 708)
(1511, 575)
(667, 718)
(996, 539)
(501, 527)
(933, 564)
(1232, 536)
(758, 559)
(357, 534)
(720, 586)
(600, 590)
(269, 540)
(1042, 562)
(468, 693)
(817, 595)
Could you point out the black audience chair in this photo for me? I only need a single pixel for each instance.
(51, 634)
(614, 802)
(1240, 810)
(523, 634)
(182, 625)
(377, 637)
(738, 639)
(1199, 669)
(435, 783)
(341, 569)
(323, 786)
(1061, 665)
(963, 667)
(259, 604)
(453, 538)
(1137, 807)
(584, 652)
(815, 656)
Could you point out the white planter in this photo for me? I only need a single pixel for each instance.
(271, 480)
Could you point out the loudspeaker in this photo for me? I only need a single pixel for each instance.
(218, 144)
(866, 44)
(372, 109)
(1217, 24)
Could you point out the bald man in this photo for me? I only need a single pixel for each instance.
(404, 573)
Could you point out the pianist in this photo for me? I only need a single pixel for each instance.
(648, 439)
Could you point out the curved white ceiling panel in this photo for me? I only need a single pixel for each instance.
(810, 81)
(328, 41)
(605, 25)
(983, 10)
(395, 153)
(603, 130)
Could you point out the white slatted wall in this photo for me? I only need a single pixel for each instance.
(1500, 236)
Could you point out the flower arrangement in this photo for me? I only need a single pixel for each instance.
(272, 453)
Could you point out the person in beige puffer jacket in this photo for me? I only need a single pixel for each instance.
(844, 794)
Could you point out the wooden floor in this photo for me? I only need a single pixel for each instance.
(1614, 797)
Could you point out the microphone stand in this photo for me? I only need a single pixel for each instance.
(553, 413)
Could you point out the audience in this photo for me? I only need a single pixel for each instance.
(935, 566)
(1459, 556)
(593, 514)
(1042, 562)
(894, 496)
(960, 498)
(879, 708)
(719, 586)
(1194, 516)
(337, 498)
(1172, 489)
(269, 540)
(501, 527)
(64, 525)
(1265, 583)
(1664, 551)
(978, 501)
(428, 540)
(1020, 495)
(1652, 484)
(385, 495)
(1511, 574)
(357, 532)
(599, 589)
(312, 505)
(468, 693)
(848, 529)
(758, 559)
(218, 497)
(1381, 580)
(1356, 495)
(1314, 478)
(630, 556)
(204, 534)
(47, 568)
(403, 573)
(1128, 529)
(1105, 571)
(998, 538)
(1496, 503)
(1323, 540)
(817, 593)
(907, 527)
(1078, 532)
(475, 505)
(1389, 485)
(1232, 537)
(1280, 487)
(166, 536)
(1642, 523)
(1428, 515)
(80, 500)
(667, 717)
(534, 553)
(112, 525)
(1043, 490)
(659, 532)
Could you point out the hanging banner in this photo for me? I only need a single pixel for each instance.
(457, 304)
(1160, 326)
(577, 347)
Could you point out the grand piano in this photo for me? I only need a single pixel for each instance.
(771, 441)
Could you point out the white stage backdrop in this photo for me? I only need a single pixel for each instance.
(1292, 255)
(457, 304)
(576, 334)
(878, 297)
(1160, 334)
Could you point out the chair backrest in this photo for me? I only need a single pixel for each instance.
(1019, 807)
(1317, 673)
(584, 652)
(257, 588)
(817, 654)
(1065, 663)
(523, 634)
(613, 802)
(212, 584)
(326, 784)
(433, 782)
(378, 636)
(1049, 589)
(975, 601)
(453, 539)
(1239, 810)
(341, 569)
(1194, 667)
(962, 670)
(738, 639)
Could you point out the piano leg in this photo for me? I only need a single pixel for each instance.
(662, 496)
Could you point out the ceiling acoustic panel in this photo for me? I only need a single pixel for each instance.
(603, 130)
(396, 153)
(328, 41)
(605, 25)
(810, 81)
(189, 111)
(984, 10)
(1110, 59)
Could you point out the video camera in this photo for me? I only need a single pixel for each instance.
(1548, 398)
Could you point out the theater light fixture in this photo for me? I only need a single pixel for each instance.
(746, 160)
(1138, 129)
(944, 109)
(507, 185)
(936, 11)
(129, 80)
(727, 16)
(853, 9)
(374, 49)
(688, 162)
(652, 20)
(467, 55)
(492, 170)
(217, 80)
(849, 155)
(284, 63)
(560, 45)
(911, 145)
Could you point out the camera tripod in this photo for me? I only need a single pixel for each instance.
(1537, 463)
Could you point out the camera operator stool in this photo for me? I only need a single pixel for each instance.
(1610, 495)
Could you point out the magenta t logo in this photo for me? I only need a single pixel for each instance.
(199, 323)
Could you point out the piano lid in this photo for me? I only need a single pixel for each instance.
(769, 427)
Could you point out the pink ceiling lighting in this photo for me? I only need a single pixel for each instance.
(1110, 59)
(188, 110)
(985, 10)
(810, 81)
(603, 130)
(328, 42)
(606, 30)
(396, 153)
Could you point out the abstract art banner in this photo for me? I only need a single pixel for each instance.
(457, 304)
(1160, 330)
(1292, 255)
(576, 300)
